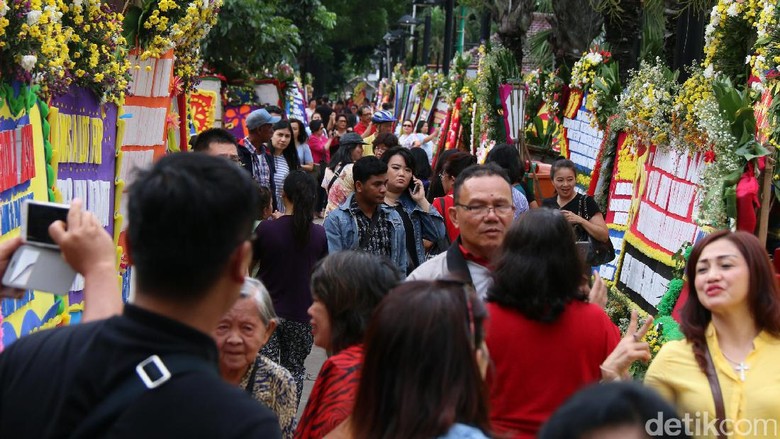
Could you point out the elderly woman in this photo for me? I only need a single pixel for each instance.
(726, 368)
(240, 335)
(346, 288)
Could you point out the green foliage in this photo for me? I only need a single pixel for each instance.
(544, 6)
(618, 308)
(699, 6)
(607, 86)
(671, 329)
(653, 29)
(608, 156)
(312, 19)
(497, 66)
(540, 50)
(736, 106)
(611, 8)
(737, 41)
(539, 135)
(248, 37)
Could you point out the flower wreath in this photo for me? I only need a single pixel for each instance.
(729, 21)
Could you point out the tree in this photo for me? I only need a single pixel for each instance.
(249, 37)
(313, 20)
(623, 26)
(350, 45)
(513, 18)
(574, 25)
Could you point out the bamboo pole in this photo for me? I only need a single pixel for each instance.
(766, 199)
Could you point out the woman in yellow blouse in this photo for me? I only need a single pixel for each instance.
(733, 313)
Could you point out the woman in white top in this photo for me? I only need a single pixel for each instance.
(301, 147)
(282, 160)
(426, 140)
(408, 138)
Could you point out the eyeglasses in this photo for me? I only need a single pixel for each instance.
(443, 176)
(406, 125)
(366, 114)
(483, 210)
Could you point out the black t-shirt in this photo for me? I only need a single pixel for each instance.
(324, 111)
(585, 208)
(50, 381)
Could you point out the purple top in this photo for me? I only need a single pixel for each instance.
(285, 269)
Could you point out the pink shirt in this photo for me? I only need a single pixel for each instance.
(317, 147)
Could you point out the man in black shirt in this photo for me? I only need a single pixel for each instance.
(151, 372)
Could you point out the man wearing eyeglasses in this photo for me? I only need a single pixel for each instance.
(365, 113)
(483, 211)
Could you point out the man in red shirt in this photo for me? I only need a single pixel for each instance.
(364, 115)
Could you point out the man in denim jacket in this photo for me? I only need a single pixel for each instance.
(364, 222)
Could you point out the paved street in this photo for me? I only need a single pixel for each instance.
(313, 363)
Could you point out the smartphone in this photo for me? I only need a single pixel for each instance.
(38, 264)
(37, 216)
(416, 188)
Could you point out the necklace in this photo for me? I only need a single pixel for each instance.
(740, 367)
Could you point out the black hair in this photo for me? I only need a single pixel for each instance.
(290, 154)
(350, 284)
(420, 373)
(407, 156)
(616, 404)
(169, 208)
(315, 125)
(363, 108)
(274, 109)
(343, 155)
(301, 189)
(457, 163)
(539, 269)
(263, 200)
(302, 136)
(562, 163)
(422, 169)
(204, 140)
(475, 171)
(435, 189)
(387, 106)
(368, 167)
(388, 139)
(419, 126)
(508, 157)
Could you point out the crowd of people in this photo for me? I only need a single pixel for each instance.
(451, 302)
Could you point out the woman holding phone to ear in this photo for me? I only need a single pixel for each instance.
(423, 225)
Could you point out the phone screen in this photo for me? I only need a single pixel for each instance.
(39, 218)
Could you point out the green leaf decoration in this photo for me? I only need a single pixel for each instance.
(132, 24)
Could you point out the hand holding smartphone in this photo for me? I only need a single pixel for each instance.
(38, 264)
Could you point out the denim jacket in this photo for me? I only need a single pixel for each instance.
(427, 225)
(342, 231)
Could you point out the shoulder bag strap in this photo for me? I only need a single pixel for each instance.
(335, 176)
(717, 394)
(443, 206)
(583, 207)
(107, 411)
(456, 263)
